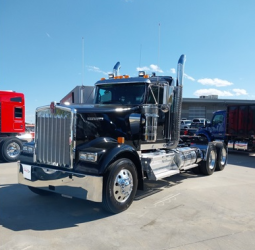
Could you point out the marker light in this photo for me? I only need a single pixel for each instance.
(121, 140)
(141, 73)
(102, 79)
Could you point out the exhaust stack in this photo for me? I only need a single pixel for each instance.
(116, 69)
(177, 105)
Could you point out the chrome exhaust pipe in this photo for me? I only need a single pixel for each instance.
(177, 105)
(180, 70)
(116, 69)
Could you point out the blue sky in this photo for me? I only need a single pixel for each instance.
(41, 45)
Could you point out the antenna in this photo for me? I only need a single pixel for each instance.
(158, 43)
(82, 87)
(82, 61)
(140, 55)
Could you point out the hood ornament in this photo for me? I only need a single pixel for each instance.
(53, 107)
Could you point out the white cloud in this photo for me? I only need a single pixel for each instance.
(96, 69)
(156, 68)
(215, 82)
(173, 71)
(153, 67)
(189, 77)
(142, 68)
(201, 92)
(240, 92)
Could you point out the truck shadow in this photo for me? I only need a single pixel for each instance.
(152, 187)
(20, 209)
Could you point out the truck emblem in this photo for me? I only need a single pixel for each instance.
(52, 107)
(95, 118)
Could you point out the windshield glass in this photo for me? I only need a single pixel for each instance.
(132, 93)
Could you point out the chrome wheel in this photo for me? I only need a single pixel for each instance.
(212, 159)
(123, 185)
(120, 185)
(223, 158)
(13, 150)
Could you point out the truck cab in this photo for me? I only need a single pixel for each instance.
(216, 129)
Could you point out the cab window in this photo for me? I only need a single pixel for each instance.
(155, 95)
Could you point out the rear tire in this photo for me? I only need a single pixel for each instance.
(11, 149)
(222, 156)
(120, 185)
(208, 167)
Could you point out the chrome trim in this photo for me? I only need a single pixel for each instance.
(241, 145)
(124, 80)
(66, 183)
(152, 146)
(50, 157)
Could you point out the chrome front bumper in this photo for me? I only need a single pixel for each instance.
(66, 183)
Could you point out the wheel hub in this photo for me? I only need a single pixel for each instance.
(212, 158)
(223, 156)
(123, 185)
(13, 149)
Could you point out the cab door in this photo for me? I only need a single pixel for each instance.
(155, 97)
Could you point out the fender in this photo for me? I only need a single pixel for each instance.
(109, 150)
(205, 133)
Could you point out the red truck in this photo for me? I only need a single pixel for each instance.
(12, 123)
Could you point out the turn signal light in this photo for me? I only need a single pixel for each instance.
(121, 140)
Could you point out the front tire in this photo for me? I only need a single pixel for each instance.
(120, 185)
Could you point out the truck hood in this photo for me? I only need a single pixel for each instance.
(93, 121)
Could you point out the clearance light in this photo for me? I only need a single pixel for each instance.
(102, 79)
(126, 76)
(121, 140)
(146, 76)
(141, 73)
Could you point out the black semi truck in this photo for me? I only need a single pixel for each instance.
(103, 151)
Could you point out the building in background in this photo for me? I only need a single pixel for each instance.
(205, 106)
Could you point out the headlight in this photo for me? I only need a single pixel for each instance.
(29, 150)
(86, 156)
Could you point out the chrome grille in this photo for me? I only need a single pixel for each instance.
(54, 137)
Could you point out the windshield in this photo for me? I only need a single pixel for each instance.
(132, 93)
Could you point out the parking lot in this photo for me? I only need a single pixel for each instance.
(186, 211)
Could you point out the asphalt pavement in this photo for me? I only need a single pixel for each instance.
(183, 212)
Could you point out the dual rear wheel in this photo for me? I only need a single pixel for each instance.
(216, 159)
